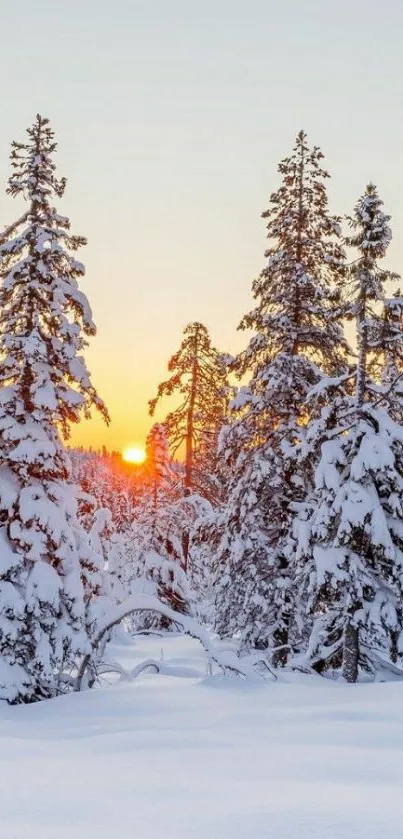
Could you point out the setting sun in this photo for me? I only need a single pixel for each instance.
(134, 454)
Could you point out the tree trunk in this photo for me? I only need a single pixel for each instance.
(362, 333)
(185, 550)
(301, 169)
(299, 248)
(362, 336)
(190, 426)
(190, 442)
(190, 415)
(350, 653)
(280, 656)
(154, 514)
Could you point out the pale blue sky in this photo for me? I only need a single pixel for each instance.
(171, 117)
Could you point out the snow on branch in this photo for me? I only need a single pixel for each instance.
(226, 660)
(150, 665)
(12, 227)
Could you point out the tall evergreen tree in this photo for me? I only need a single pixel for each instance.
(47, 567)
(351, 546)
(297, 337)
(199, 376)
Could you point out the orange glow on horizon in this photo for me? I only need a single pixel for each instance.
(134, 454)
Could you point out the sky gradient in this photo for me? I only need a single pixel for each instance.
(171, 117)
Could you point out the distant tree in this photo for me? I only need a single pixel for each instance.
(351, 545)
(105, 479)
(200, 377)
(296, 339)
(146, 554)
(48, 569)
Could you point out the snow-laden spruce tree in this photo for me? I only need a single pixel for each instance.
(296, 337)
(391, 354)
(159, 475)
(351, 545)
(48, 571)
(244, 588)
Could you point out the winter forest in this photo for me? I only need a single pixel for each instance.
(267, 519)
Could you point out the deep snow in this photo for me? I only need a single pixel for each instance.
(192, 757)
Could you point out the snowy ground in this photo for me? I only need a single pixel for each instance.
(190, 758)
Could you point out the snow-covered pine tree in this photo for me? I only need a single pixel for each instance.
(159, 474)
(206, 534)
(159, 492)
(297, 337)
(45, 386)
(200, 377)
(392, 354)
(351, 546)
(244, 577)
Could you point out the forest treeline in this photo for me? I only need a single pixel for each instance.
(282, 526)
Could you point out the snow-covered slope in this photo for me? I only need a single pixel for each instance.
(194, 758)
